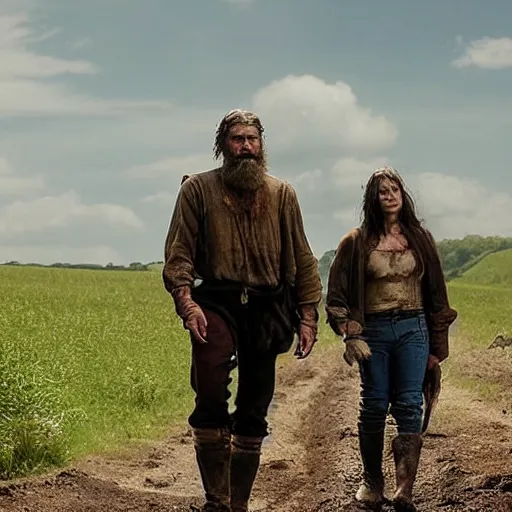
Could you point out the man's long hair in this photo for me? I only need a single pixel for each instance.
(372, 225)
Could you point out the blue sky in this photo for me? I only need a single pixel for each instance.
(105, 104)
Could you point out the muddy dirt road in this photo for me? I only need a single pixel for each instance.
(310, 461)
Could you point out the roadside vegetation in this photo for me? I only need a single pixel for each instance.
(483, 298)
(89, 361)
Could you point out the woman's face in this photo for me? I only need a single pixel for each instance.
(390, 197)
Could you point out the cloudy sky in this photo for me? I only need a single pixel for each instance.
(105, 104)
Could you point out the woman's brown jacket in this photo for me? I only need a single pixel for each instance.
(346, 293)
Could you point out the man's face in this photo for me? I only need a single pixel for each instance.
(244, 159)
(243, 142)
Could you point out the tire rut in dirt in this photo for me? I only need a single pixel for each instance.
(456, 473)
(326, 464)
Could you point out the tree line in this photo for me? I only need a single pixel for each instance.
(134, 266)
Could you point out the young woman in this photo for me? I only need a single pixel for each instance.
(387, 297)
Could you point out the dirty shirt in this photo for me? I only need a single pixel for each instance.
(210, 238)
(393, 281)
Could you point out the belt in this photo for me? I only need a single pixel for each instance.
(394, 314)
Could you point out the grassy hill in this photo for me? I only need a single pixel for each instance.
(494, 269)
(483, 297)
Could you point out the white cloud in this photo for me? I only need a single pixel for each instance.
(351, 173)
(163, 197)
(172, 166)
(82, 42)
(11, 184)
(487, 53)
(23, 90)
(455, 207)
(309, 180)
(348, 176)
(305, 113)
(302, 114)
(32, 98)
(46, 255)
(61, 211)
(18, 62)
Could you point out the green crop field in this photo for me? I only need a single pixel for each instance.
(88, 361)
(483, 298)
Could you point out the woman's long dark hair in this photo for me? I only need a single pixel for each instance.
(372, 225)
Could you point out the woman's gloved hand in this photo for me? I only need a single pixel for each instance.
(356, 350)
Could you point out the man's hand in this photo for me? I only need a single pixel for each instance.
(196, 323)
(307, 338)
(433, 361)
(308, 330)
(192, 315)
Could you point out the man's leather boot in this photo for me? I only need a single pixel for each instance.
(371, 446)
(406, 452)
(245, 461)
(213, 454)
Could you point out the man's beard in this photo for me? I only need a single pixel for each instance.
(245, 173)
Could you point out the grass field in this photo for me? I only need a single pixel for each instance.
(483, 299)
(93, 360)
(89, 360)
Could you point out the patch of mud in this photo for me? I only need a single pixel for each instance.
(465, 464)
(76, 491)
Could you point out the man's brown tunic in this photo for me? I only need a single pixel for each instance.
(210, 238)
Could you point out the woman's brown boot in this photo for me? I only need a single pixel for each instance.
(371, 446)
(406, 452)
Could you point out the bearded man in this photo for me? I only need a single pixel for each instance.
(239, 231)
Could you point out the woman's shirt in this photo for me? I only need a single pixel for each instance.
(393, 281)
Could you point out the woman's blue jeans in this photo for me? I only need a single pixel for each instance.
(394, 374)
